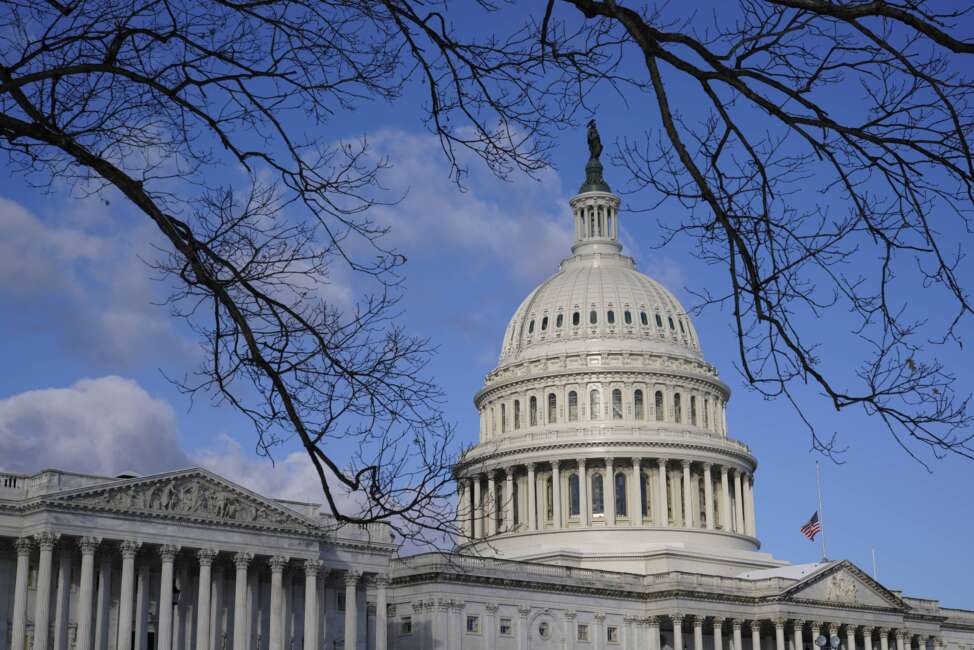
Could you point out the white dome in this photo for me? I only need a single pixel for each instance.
(632, 313)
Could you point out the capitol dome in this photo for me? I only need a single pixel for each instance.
(603, 435)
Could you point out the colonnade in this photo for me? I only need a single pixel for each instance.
(687, 631)
(93, 600)
(570, 493)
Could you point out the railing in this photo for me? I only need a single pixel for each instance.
(10, 481)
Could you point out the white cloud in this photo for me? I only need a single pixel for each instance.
(109, 425)
(522, 225)
(88, 286)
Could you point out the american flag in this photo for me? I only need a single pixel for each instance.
(812, 528)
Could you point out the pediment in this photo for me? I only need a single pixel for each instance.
(843, 584)
(195, 495)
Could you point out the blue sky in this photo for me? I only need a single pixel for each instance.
(87, 347)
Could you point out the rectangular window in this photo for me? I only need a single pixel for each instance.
(612, 634)
(583, 631)
(473, 625)
(406, 625)
(340, 601)
(506, 627)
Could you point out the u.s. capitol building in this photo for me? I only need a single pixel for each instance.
(605, 506)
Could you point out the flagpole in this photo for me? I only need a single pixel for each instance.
(821, 510)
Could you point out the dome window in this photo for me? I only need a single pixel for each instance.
(533, 411)
(677, 416)
(576, 319)
(706, 413)
(593, 317)
(693, 410)
(598, 495)
(503, 418)
(616, 404)
(574, 500)
(672, 326)
(611, 317)
(627, 316)
(621, 500)
(643, 319)
(552, 408)
(682, 331)
(637, 404)
(559, 319)
(517, 414)
(659, 406)
(544, 324)
(572, 406)
(531, 327)
(595, 404)
(659, 321)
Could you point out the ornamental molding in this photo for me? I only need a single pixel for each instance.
(192, 496)
(748, 461)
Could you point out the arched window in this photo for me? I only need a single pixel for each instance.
(517, 414)
(706, 413)
(627, 316)
(611, 317)
(549, 491)
(659, 321)
(682, 331)
(645, 495)
(533, 411)
(621, 500)
(672, 326)
(593, 317)
(559, 319)
(493, 420)
(573, 496)
(544, 323)
(643, 319)
(598, 495)
(693, 410)
(552, 408)
(616, 404)
(702, 502)
(503, 418)
(659, 406)
(531, 327)
(572, 406)
(677, 416)
(576, 319)
(594, 405)
(637, 404)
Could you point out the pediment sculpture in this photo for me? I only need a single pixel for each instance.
(841, 589)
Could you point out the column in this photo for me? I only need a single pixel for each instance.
(556, 493)
(464, 512)
(725, 521)
(739, 511)
(167, 553)
(752, 525)
(718, 633)
(241, 563)
(532, 497)
(311, 568)
(900, 636)
(816, 631)
(478, 509)
(568, 629)
(883, 638)
(677, 631)
(205, 557)
(676, 496)
(24, 546)
(102, 612)
(351, 610)
(654, 641)
(636, 493)
(850, 637)
(276, 627)
(756, 635)
(798, 625)
(662, 519)
(62, 598)
(921, 642)
(509, 499)
(779, 634)
(585, 506)
(938, 643)
(491, 508)
(381, 612)
(708, 496)
(697, 633)
(490, 625)
(609, 492)
(689, 517)
(738, 642)
(126, 597)
(42, 596)
(142, 607)
(86, 594)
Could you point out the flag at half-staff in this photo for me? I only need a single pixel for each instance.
(812, 528)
